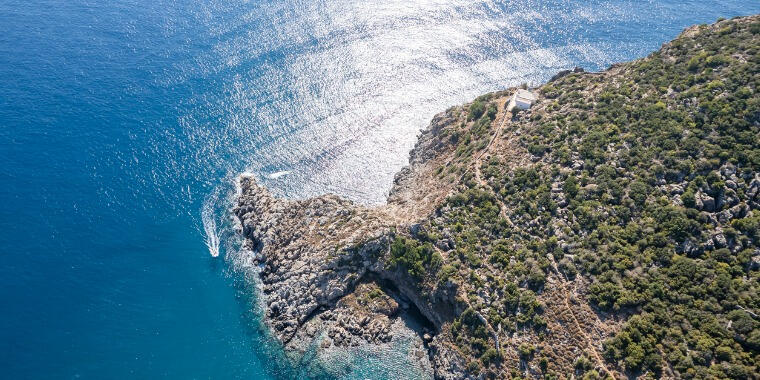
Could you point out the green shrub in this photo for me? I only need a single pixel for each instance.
(491, 113)
(490, 356)
(413, 256)
(526, 350)
(570, 186)
(477, 108)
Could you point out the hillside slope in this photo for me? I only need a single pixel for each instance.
(611, 230)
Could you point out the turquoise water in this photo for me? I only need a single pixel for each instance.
(121, 121)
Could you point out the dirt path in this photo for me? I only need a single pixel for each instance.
(478, 162)
(589, 342)
(476, 165)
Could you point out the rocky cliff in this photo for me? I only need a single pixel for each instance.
(612, 230)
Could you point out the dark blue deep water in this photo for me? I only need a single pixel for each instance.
(121, 121)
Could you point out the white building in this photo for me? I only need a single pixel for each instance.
(523, 99)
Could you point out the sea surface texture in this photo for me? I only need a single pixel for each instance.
(124, 123)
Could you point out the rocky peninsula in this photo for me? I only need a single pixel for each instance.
(611, 230)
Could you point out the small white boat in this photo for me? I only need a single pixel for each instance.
(279, 174)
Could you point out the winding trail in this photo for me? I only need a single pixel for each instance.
(476, 165)
(478, 162)
(566, 298)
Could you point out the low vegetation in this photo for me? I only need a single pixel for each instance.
(642, 200)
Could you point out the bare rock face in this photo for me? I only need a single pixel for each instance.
(325, 279)
(416, 190)
(448, 364)
(308, 252)
(319, 260)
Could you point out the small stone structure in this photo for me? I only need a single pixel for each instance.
(523, 99)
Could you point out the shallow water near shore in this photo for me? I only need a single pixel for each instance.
(124, 124)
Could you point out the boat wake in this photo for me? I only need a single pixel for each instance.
(219, 227)
(212, 232)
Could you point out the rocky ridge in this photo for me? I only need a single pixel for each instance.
(320, 258)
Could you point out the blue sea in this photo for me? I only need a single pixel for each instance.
(124, 123)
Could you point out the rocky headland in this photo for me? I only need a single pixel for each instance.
(611, 230)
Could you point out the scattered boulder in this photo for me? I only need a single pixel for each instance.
(566, 72)
(720, 240)
(704, 202)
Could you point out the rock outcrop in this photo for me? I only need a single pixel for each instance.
(322, 268)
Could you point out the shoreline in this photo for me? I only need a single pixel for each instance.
(497, 276)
